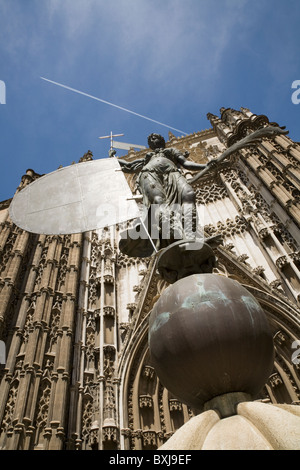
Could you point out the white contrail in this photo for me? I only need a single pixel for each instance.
(111, 104)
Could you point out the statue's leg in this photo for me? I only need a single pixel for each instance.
(189, 212)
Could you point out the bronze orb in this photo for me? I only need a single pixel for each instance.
(208, 336)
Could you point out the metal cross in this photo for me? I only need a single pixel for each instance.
(111, 138)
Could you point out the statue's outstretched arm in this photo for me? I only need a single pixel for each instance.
(251, 139)
(187, 164)
(131, 167)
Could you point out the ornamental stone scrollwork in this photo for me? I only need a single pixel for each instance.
(243, 125)
(229, 228)
(210, 193)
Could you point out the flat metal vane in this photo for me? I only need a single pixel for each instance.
(78, 198)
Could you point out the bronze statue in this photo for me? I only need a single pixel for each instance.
(166, 193)
(167, 196)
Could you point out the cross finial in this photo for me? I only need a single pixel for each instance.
(111, 139)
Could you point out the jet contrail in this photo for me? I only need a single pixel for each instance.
(111, 104)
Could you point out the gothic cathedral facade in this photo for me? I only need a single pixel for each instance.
(74, 310)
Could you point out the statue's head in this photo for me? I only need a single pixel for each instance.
(156, 141)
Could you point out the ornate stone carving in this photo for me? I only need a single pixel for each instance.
(109, 311)
(6, 425)
(110, 433)
(43, 406)
(126, 432)
(7, 250)
(175, 405)
(281, 262)
(276, 284)
(280, 338)
(148, 372)
(275, 380)
(210, 193)
(229, 228)
(259, 270)
(145, 401)
(243, 258)
(108, 362)
(63, 266)
(264, 233)
(149, 438)
(109, 279)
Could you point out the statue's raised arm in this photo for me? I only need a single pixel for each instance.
(249, 140)
(131, 167)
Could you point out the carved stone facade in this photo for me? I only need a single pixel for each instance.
(74, 310)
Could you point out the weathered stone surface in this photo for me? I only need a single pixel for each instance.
(192, 435)
(235, 433)
(281, 427)
(257, 426)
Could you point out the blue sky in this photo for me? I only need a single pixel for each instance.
(170, 60)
